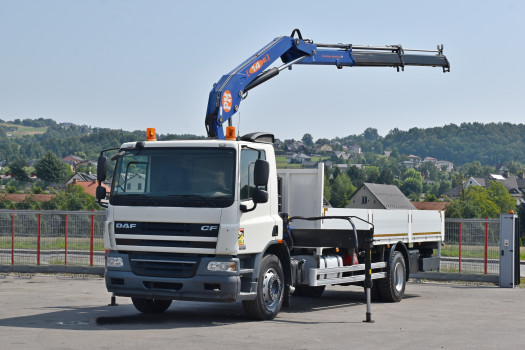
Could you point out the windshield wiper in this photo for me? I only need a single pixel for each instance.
(196, 197)
(138, 199)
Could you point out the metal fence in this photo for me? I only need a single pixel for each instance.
(471, 246)
(30, 237)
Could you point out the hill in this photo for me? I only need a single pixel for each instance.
(34, 138)
(490, 144)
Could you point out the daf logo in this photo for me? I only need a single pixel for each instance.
(125, 225)
(208, 228)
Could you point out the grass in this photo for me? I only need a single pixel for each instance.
(53, 243)
(24, 130)
(474, 252)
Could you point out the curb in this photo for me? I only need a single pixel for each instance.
(81, 270)
(442, 276)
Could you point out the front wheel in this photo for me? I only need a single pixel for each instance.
(270, 290)
(151, 306)
(392, 288)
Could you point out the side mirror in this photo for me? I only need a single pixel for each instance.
(261, 172)
(101, 193)
(102, 169)
(259, 196)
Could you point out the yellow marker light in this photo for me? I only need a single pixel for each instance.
(230, 133)
(151, 135)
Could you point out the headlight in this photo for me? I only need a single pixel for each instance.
(114, 261)
(222, 266)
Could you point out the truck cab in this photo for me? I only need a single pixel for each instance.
(187, 219)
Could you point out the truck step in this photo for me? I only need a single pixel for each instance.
(246, 296)
(321, 275)
(245, 271)
(349, 279)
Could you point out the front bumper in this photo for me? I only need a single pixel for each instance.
(203, 286)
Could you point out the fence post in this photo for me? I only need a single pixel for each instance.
(486, 244)
(91, 240)
(65, 241)
(13, 239)
(38, 242)
(460, 247)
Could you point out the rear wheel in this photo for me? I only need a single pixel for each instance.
(392, 288)
(270, 290)
(151, 306)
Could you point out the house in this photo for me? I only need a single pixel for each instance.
(87, 181)
(355, 149)
(82, 177)
(454, 193)
(513, 184)
(72, 160)
(298, 158)
(324, 148)
(429, 159)
(379, 196)
(296, 146)
(444, 165)
(341, 155)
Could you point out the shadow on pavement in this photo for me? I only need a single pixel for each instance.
(181, 314)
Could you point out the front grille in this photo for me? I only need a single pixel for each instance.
(164, 265)
(166, 235)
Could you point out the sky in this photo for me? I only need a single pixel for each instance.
(136, 64)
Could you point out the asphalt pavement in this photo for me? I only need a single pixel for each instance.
(65, 312)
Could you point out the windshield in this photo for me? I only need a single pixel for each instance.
(178, 177)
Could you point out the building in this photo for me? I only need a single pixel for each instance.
(87, 181)
(355, 149)
(515, 185)
(379, 196)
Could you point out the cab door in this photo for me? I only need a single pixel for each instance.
(257, 227)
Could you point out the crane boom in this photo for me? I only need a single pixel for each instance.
(227, 94)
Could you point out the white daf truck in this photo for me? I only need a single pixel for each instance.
(215, 220)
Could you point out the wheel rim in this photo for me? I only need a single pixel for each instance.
(271, 288)
(399, 277)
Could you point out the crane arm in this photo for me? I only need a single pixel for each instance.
(227, 94)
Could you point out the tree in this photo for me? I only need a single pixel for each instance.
(342, 189)
(308, 140)
(480, 202)
(372, 174)
(356, 175)
(327, 190)
(412, 188)
(72, 198)
(371, 134)
(501, 197)
(50, 168)
(386, 177)
(17, 169)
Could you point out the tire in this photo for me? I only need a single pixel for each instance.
(392, 288)
(308, 291)
(270, 290)
(151, 306)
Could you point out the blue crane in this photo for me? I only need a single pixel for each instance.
(227, 94)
